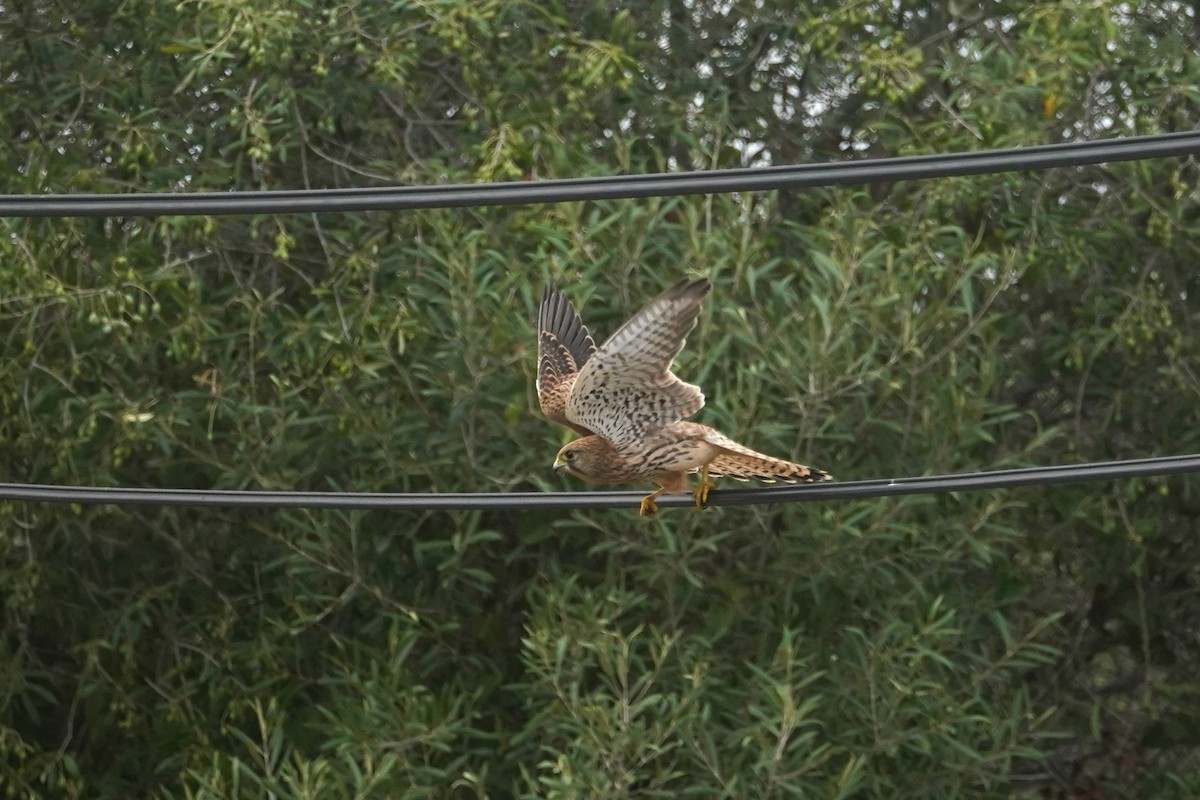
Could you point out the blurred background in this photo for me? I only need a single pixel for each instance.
(1030, 643)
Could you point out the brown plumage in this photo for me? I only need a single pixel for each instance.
(630, 407)
(564, 345)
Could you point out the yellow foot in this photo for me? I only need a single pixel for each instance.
(649, 507)
(701, 493)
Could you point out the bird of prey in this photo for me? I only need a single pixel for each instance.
(629, 408)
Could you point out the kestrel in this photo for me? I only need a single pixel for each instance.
(629, 407)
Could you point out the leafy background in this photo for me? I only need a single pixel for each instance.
(1033, 643)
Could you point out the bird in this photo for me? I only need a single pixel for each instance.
(630, 409)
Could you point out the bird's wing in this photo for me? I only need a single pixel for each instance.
(626, 390)
(741, 463)
(564, 346)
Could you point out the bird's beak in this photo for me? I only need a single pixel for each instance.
(560, 464)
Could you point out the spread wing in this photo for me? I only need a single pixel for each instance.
(564, 345)
(626, 390)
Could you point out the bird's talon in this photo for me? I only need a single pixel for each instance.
(649, 507)
(701, 493)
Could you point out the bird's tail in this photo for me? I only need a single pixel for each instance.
(754, 466)
(739, 462)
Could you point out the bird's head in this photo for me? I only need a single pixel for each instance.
(586, 458)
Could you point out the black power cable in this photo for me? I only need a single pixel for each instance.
(884, 170)
(530, 501)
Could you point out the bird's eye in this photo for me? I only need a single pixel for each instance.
(569, 455)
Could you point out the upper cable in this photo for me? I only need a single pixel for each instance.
(603, 188)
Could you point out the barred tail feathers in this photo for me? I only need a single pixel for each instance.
(764, 469)
(741, 463)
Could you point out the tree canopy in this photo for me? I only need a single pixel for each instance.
(1028, 643)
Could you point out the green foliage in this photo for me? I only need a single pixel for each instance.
(1033, 643)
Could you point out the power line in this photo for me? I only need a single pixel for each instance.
(543, 501)
(884, 170)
